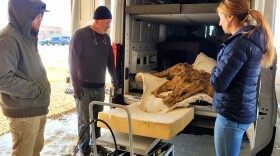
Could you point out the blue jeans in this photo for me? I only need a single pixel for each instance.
(90, 94)
(228, 136)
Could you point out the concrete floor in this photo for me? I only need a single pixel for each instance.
(199, 145)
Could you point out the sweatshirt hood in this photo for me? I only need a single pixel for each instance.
(23, 12)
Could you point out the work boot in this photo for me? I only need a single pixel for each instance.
(102, 150)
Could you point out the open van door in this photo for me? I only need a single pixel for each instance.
(261, 134)
(265, 126)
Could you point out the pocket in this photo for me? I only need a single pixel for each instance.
(44, 84)
(13, 102)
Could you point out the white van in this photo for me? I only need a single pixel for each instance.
(152, 35)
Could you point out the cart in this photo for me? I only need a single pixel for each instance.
(159, 148)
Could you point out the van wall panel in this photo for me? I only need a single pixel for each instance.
(144, 35)
(135, 30)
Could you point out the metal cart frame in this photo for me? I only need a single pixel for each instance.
(169, 147)
(111, 105)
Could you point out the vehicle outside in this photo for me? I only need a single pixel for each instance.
(45, 41)
(62, 40)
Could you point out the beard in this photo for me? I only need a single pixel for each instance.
(34, 32)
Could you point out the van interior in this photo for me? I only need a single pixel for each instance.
(165, 33)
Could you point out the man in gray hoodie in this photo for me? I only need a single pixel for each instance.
(24, 87)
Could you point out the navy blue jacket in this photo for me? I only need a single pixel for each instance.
(235, 77)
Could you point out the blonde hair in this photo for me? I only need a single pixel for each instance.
(241, 9)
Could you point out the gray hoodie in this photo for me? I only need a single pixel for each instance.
(24, 87)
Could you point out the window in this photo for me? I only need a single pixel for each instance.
(3, 13)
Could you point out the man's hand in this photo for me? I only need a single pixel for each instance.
(79, 94)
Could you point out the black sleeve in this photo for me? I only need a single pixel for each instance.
(111, 68)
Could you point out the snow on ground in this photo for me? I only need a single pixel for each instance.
(61, 136)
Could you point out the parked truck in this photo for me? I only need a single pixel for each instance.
(152, 35)
(61, 40)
